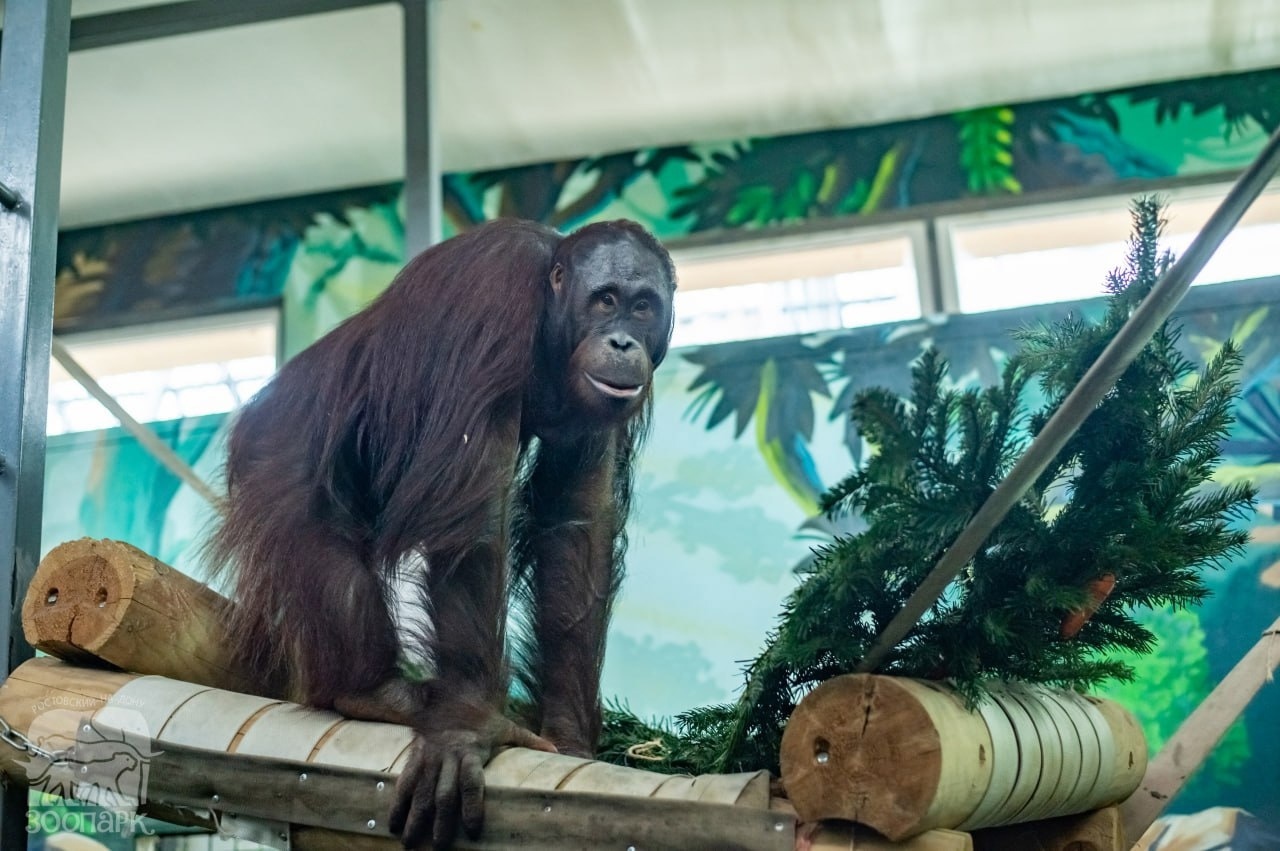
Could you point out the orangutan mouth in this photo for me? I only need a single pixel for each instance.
(614, 390)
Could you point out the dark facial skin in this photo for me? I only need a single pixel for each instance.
(619, 297)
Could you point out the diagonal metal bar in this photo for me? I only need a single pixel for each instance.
(1082, 401)
(144, 435)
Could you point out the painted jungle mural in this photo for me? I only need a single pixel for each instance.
(326, 254)
(746, 435)
(745, 438)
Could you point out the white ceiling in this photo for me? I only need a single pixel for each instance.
(314, 103)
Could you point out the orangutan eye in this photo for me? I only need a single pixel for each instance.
(641, 306)
(608, 300)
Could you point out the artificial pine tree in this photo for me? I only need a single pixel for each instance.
(1124, 517)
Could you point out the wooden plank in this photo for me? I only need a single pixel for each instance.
(1101, 830)
(45, 685)
(1029, 756)
(288, 731)
(1128, 756)
(350, 800)
(737, 789)
(1084, 718)
(1004, 765)
(146, 704)
(186, 782)
(1044, 731)
(553, 773)
(1197, 736)
(366, 745)
(613, 780)
(847, 836)
(212, 719)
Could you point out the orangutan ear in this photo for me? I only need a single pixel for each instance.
(557, 279)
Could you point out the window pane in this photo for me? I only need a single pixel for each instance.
(1012, 259)
(793, 287)
(166, 371)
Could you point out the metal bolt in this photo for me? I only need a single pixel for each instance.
(52, 598)
(216, 799)
(779, 827)
(84, 769)
(371, 824)
(547, 808)
(381, 785)
(302, 778)
(87, 729)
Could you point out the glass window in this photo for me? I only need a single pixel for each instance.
(166, 371)
(1019, 257)
(771, 288)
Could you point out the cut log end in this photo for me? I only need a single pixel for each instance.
(843, 743)
(75, 600)
(904, 756)
(102, 601)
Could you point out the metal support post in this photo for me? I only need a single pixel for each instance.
(422, 189)
(33, 83)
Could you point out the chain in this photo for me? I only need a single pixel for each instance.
(18, 740)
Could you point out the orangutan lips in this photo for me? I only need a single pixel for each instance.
(615, 391)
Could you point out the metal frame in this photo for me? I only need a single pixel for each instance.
(422, 190)
(37, 37)
(114, 28)
(33, 84)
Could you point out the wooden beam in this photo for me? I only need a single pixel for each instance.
(94, 601)
(206, 751)
(1197, 736)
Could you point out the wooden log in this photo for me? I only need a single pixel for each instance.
(1199, 734)
(104, 600)
(271, 760)
(848, 836)
(1100, 830)
(904, 756)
